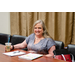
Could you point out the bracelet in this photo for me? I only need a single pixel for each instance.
(12, 47)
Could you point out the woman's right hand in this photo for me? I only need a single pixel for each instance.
(10, 47)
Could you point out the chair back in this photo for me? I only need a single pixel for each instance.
(16, 39)
(59, 45)
(4, 38)
(71, 49)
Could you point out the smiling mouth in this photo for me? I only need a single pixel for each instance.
(37, 32)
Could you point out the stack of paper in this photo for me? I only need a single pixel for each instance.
(14, 53)
(30, 56)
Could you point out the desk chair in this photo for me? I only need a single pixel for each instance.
(59, 45)
(15, 39)
(61, 51)
(4, 38)
(71, 50)
(59, 48)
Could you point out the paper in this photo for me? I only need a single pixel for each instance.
(30, 56)
(14, 53)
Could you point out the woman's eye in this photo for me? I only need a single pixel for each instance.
(35, 28)
(39, 28)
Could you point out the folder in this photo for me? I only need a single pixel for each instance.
(30, 56)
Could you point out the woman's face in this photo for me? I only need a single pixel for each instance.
(38, 29)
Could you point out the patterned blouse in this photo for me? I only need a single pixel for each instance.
(41, 47)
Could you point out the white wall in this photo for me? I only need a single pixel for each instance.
(5, 22)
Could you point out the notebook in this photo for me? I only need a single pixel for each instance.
(14, 53)
(30, 56)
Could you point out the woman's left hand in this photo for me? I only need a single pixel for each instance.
(48, 55)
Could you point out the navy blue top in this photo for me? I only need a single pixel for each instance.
(41, 47)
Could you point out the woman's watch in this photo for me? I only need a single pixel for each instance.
(12, 47)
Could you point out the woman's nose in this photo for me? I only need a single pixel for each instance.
(37, 29)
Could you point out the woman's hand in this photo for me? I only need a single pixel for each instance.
(10, 47)
(48, 55)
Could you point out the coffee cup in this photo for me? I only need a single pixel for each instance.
(8, 46)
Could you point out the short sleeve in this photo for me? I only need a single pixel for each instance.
(50, 43)
(29, 37)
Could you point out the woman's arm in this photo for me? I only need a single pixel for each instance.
(50, 51)
(20, 45)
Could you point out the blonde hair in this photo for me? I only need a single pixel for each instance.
(45, 32)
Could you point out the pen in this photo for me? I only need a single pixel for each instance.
(16, 52)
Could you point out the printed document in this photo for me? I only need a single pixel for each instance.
(14, 53)
(30, 56)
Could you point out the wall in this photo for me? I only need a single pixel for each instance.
(5, 22)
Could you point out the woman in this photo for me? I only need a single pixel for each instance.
(39, 41)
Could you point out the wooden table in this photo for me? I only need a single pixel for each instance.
(5, 58)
